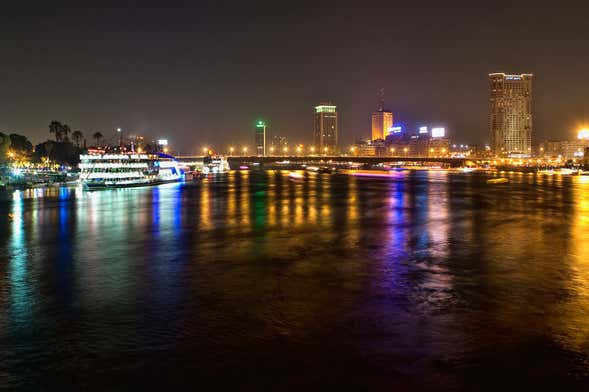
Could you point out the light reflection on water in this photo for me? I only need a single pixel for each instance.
(432, 277)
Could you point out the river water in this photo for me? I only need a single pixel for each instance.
(255, 281)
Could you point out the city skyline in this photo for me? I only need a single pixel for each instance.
(106, 71)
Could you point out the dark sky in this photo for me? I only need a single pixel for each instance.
(201, 73)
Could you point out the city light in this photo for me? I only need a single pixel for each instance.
(161, 142)
(438, 132)
(583, 134)
(231, 149)
(285, 150)
(312, 149)
(422, 129)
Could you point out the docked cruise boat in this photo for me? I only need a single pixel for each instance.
(127, 170)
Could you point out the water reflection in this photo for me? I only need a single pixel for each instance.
(20, 291)
(572, 315)
(420, 274)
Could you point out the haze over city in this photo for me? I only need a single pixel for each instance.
(204, 73)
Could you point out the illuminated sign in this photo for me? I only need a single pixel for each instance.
(162, 142)
(422, 129)
(260, 124)
(395, 129)
(325, 109)
(438, 132)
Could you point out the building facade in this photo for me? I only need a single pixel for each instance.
(382, 120)
(381, 123)
(325, 131)
(511, 114)
(260, 133)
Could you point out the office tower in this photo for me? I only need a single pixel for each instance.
(511, 114)
(261, 138)
(325, 135)
(382, 120)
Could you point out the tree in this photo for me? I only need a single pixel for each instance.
(4, 146)
(97, 136)
(56, 128)
(62, 153)
(65, 131)
(77, 137)
(21, 144)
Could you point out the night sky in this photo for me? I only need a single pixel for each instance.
(201, 74)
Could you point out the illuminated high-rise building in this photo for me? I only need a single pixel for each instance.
(325, 132)
(382, 120)
(511, 114)
(261, 138)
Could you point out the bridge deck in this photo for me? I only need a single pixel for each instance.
(326, 159)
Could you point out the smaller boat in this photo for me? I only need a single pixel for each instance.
(295, 175)
(501, 180)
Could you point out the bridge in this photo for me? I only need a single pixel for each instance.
(236, 161)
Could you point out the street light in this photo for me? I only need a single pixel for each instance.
(392, 150)
(231, 149)
(271, 150)
(312, 149)
(244, 150)
(325, 150)
(285, 149)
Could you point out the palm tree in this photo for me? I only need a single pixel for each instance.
(57, 129)
(65, 130)
(97, 136)
(77, 136)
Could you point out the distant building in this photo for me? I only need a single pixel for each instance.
(511, 114)
(565, 149)
(573, 149)
(586, 159)
(325, 132)
(369, 148)
(260, 133)
(278, 143)
(382, 120)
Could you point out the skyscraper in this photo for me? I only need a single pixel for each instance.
(325, 136)
(382, 120)
(261, 138)
(511, 114)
